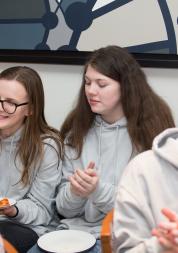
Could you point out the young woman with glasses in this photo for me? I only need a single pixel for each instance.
(30, 159)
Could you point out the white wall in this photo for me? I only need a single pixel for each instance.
(62, 82)
(165, 83)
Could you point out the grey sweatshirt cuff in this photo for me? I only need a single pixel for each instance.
(19, 215)
(72, 196)
(97, 193)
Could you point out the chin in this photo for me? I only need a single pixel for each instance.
(96, 111)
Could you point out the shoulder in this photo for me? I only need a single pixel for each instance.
(140, 176)
(143, 167)
(52, 143)
(144, 158)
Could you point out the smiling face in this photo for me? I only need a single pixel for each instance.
(12, 91)
(103, 95)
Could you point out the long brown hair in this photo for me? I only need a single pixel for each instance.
(147, 113)
(36, 129)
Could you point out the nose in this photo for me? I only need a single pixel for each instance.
(92, 88)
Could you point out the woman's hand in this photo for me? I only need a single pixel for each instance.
(167, 232)
(10, 211)
(84, 182)
(169, 247)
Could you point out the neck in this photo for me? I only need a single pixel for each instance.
(5, 135)
(111, 119)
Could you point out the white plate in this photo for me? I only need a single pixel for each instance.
(11, 202)
(66, 241)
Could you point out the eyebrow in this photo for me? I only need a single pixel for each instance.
(13, 100)
(98, 79)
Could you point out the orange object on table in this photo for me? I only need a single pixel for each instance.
(4, 202)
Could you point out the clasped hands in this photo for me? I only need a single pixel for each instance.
(84, 182)
(167, 232)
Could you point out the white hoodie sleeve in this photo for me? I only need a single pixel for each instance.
(131, 229)
(37, 206)
(133, 217)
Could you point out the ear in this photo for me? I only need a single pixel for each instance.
(28, 113)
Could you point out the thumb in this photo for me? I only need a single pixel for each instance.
(91, 165)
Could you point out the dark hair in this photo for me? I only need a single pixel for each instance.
(35, 129)
(147, 113)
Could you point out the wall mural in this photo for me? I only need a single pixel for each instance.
(143, 26)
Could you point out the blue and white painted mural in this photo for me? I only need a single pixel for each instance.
(149, 26)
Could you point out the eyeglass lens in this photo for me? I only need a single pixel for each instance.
(8, 106)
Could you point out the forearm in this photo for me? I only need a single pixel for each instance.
(69, 204)
(103, 197)
(31, 213)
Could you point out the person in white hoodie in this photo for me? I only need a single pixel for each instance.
(117, 114)
(142, 221)
(30, 159)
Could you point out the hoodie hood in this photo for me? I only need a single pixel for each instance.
(120, 123)
(15, 137)
(10, 143)
(165, 145)
(106, 132)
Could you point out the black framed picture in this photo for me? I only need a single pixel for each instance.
(66, 31)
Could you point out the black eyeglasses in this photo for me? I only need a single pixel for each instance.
(10, 107)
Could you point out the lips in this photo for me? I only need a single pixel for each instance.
(93, 101)
(3, 117)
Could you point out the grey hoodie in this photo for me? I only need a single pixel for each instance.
(149, 183)
(109, 146)
(35, 201)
